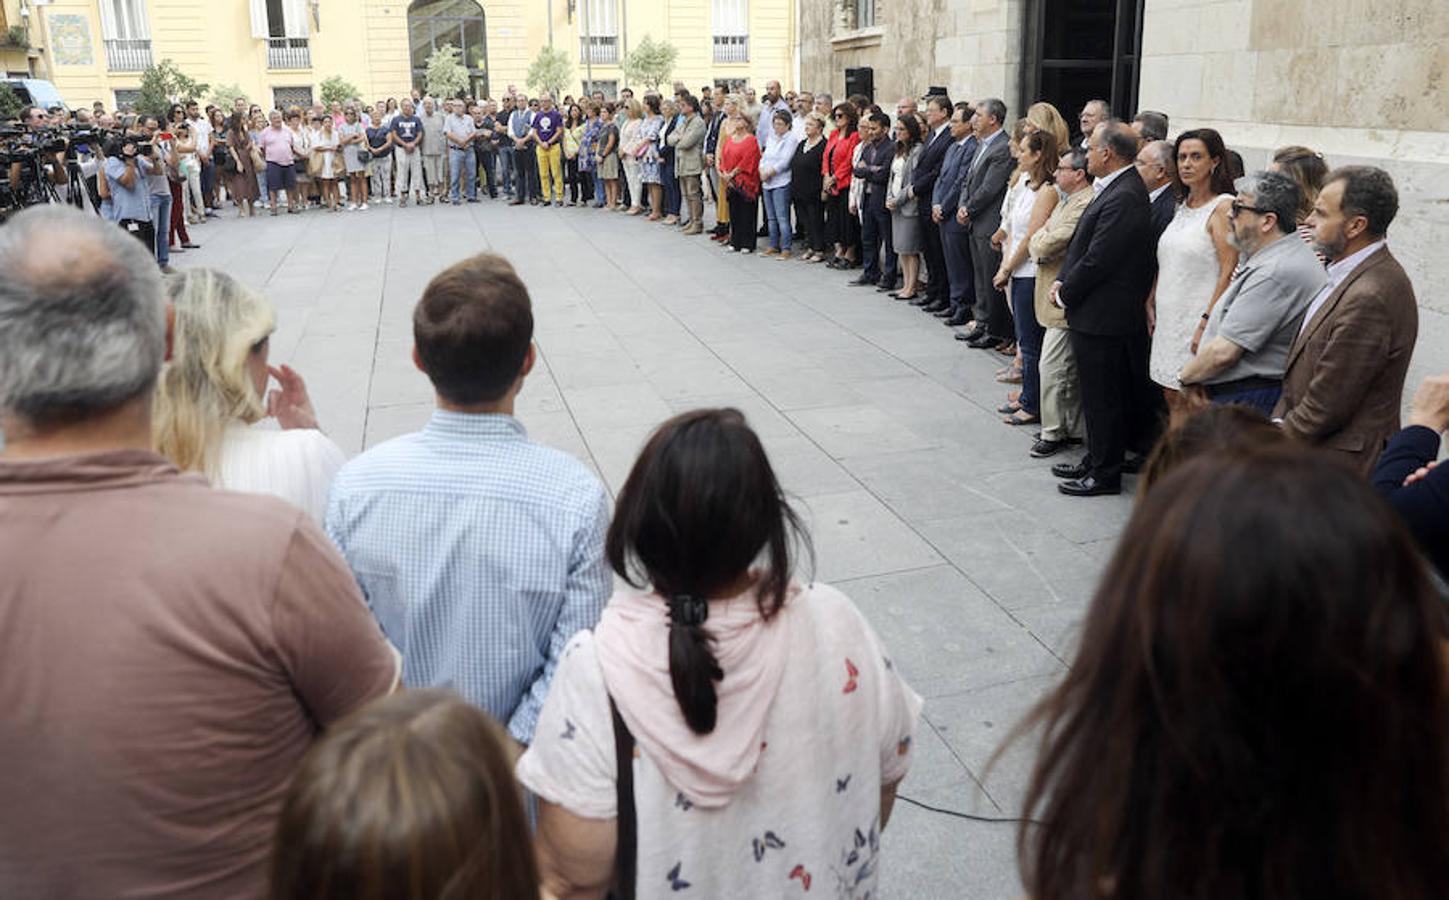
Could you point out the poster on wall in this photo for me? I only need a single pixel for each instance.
(70, 40)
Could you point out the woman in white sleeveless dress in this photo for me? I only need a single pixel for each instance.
(212, 399)
(1195, 262)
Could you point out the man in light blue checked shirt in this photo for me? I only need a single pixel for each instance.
(480, 552)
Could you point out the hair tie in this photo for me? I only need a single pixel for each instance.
(688, 610)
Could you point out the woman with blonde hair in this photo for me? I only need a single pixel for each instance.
(632, 144)
(411, 798)
(1045, 117)
(214, 389)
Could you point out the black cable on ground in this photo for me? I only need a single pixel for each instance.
(962, 815)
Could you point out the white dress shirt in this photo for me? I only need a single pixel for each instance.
(1337, 272)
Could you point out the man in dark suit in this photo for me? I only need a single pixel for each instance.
(1158, 169)
(1345, 376)
(980, 210)
(711, 148)
(1103, 287)
(923, 183)
(877, 151)
(955, 237)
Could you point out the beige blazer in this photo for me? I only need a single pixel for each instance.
(1049, 248)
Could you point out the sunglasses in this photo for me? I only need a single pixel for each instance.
(1237, 208)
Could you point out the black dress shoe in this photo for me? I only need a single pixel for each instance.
(862, 281)
(936, 307)
(926, 302)
(1044, 448)
(986, 342)
(1077, 469)
(973, 334)
(884, 288)
(957, 320)
(1089, 486)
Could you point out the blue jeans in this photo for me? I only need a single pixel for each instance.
(1263, 399)
(777, 215)
(955, 244)
(598, 189)
(671, 188)
(1029, 335)
(463, 166)
(161, 221)
(505, 168)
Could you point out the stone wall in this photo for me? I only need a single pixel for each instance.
(1362, 81)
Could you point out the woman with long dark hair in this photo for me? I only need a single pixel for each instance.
(906, 237)
(841, 225)
(770, 725)
(1259, 706)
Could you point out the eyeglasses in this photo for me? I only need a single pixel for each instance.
(1237, 207)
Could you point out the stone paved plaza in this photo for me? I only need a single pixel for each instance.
(924, 508)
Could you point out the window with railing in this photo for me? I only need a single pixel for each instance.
(126, 34)
(599, 37)
(128, 56)
(731, 31)
(287, 97)
(288, 53)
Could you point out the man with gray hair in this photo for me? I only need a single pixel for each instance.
(170, 651)
(1244, 349)
(1150, 125)
(1094, 113)
(1158, 170)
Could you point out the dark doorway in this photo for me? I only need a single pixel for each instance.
(1079, 50)
(433, 23)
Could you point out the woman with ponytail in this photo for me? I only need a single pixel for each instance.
(763, 727)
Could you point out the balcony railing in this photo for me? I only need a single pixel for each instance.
(288, 53)
(599, 50)
(731, 48)
(128, 56)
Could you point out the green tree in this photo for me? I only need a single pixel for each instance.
(651, 62)
(163, 84)
(338, 90)
(550, 70)
(225, 95)
(446, 76)
(10, 104)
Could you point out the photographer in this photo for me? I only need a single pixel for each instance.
(163, 158)
(128, 167)
(34, 121)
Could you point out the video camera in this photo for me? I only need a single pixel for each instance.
(22, 145)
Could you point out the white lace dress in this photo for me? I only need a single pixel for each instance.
(1187, 272)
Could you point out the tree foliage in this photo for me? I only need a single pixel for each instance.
(225, 95)
(446, 76)
(10, 104)
(550, 70)
(651, 62)
(338, 90)
(163, 84)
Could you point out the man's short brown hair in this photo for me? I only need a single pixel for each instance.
(472, 328)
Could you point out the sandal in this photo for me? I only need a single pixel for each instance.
(1009, 375)
(1021, 417)
(1009, 408)
(1007, 349)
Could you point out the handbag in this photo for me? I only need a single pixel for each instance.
(257, 159)
(316, 162)
(364, 155)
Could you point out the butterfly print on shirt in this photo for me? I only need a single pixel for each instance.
(800, 873)
(568, 732)
(683, 802)
(770, 841)
(675, 882)
(841, 784)
(851, 672)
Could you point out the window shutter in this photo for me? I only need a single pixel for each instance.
(294, 18)
(108, 21)
(259, 20)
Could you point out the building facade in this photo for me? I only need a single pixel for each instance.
(1361, 81)
(280, 51)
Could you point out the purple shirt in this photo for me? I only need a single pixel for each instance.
(276, 144)
(548, 124)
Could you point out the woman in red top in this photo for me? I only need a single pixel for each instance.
(739, 165)
(840, 225)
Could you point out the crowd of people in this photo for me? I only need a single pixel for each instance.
(238, 664)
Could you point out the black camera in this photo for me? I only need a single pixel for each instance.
(116, 146)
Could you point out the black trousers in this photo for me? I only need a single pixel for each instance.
(1116, 399)
(525, 174)
(742, 220)
(991, 306)
(939, 286)
(571, 177)
(810, 219)
(879, 256)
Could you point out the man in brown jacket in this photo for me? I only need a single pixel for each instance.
(1346, 369)
(1061, 405)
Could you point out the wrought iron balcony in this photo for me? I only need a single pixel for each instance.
(288, 53)
(601, 50)
(128, 56)
(731, 48)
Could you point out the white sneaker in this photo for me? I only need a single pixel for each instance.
(362, 207)
(351, 207)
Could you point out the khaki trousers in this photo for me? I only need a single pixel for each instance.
(1061, 400)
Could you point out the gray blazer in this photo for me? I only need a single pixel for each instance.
(985, 187)
(904, 204)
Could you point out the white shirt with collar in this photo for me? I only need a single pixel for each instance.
(982, 147)
(1337, 272)
(1100, 184)
(1154, 194)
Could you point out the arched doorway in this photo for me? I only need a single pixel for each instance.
(433, 23)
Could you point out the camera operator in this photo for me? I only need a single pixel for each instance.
(163, 157)
(34, 120)
(128, 167)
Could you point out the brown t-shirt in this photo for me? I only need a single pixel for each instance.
(167, 654)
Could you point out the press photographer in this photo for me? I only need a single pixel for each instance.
(35, 152)
(131, 160)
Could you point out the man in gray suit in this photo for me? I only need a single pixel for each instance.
(980, 210)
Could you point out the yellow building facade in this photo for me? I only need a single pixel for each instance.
(282, 50)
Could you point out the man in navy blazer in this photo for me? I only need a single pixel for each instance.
(1103, 287)
(923, 184)
(980, 210)
(955, 237)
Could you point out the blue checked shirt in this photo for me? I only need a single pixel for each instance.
(480, 553)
